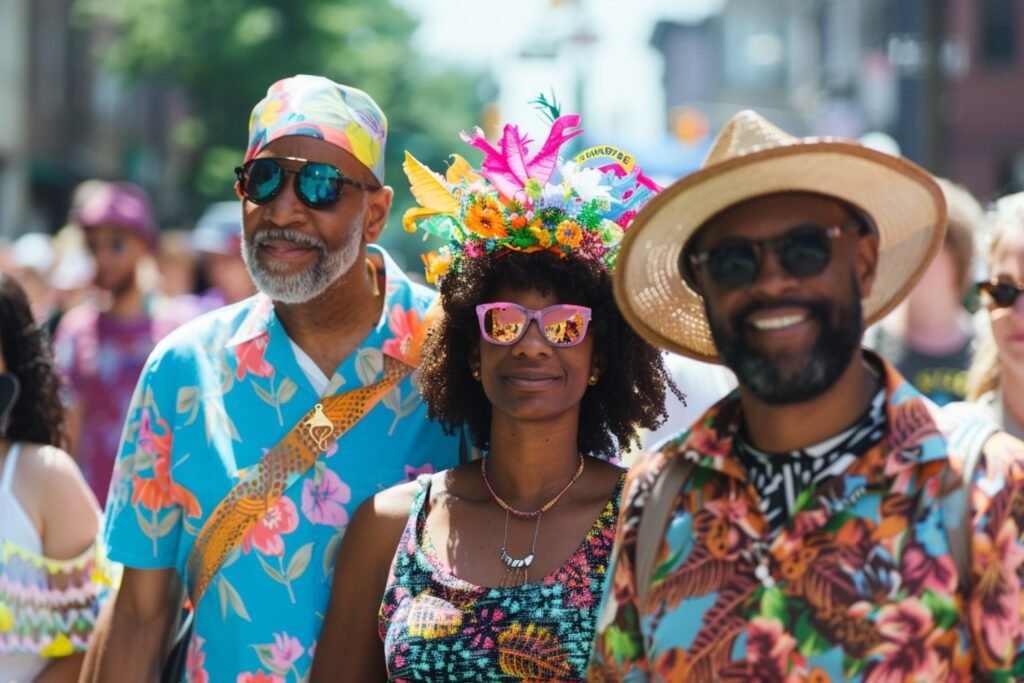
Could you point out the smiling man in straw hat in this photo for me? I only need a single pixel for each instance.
(811, 526)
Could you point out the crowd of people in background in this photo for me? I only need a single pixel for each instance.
(104, 393)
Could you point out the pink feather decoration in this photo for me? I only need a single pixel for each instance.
(510, 168)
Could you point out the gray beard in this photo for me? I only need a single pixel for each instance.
(304, 286)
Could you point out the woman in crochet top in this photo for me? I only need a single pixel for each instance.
(500, 561)
(50, 570)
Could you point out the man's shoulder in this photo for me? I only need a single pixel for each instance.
(205, 334)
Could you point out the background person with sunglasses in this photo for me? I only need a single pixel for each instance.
(996, 376)
(102, 344)
(826, 521)
(491, 571)
(283, 373)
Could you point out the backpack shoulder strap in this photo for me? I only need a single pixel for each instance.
(654, 519)
(968, 439)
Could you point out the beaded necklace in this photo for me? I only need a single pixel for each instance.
(516, 568)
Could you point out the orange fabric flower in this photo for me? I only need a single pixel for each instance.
(160, 492)
(486, 219)
(569, 234)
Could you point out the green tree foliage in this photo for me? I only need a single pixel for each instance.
(223, 54)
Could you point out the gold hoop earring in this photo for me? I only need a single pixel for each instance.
(593, 379)
(476, 375)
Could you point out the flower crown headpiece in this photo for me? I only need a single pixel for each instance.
(522, 202)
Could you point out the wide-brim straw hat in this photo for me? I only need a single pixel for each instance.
(751, 158)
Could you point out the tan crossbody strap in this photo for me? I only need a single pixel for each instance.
(262, 485)
(654, 519)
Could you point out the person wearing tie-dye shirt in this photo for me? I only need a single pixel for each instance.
(332, 312)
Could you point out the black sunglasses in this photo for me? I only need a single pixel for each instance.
(803, 251)
(1002, 294)
(317, 185)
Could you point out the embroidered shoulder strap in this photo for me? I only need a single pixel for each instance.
(262, 486)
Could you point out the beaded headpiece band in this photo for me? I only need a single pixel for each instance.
(518, 201)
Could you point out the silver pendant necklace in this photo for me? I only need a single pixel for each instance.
(516, 569)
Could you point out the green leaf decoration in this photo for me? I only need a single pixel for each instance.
(229, 597)
(944, 613)
(271, 572)
(774, 605)
(837, 521)
(232, 557)
(852, 668)
(369, 363)
(299, 561)
(439, 225)
(286, 391)
(144, 524)
(227, 376)
(187, 397)
(168, 523)
(812, 643)
(624, 645)
(215, 419)
(549, 110)
(262, 393)
(331, 553)
(533, 189)
(522, 238)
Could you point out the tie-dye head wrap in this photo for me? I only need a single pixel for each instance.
(318, 107)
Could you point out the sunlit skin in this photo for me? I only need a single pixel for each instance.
(779, 428)
(331, 326)
(531, 380)
(1007, 265)
(535, 392)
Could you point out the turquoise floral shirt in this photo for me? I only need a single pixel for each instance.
(215, 395)
(859, 585)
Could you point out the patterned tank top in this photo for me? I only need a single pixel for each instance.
(437, 627)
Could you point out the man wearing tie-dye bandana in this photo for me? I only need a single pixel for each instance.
(333, 313)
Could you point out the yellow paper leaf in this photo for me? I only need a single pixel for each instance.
(416, 213)
(460, 170)
(428, 188)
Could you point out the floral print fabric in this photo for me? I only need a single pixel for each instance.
(860, 584)
(214, 396)
(437, 627)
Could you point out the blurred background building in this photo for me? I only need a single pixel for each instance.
(159, 92)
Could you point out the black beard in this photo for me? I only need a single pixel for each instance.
(807, 377)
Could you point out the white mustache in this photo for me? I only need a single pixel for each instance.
(283, 234)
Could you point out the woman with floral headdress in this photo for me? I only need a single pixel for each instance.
(500, 561)
(51, 572)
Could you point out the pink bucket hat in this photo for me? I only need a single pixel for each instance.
(318, 107)
(119, 205)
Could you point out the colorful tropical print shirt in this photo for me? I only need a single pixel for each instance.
(214, 396)
(860, 584)
(437, 627)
